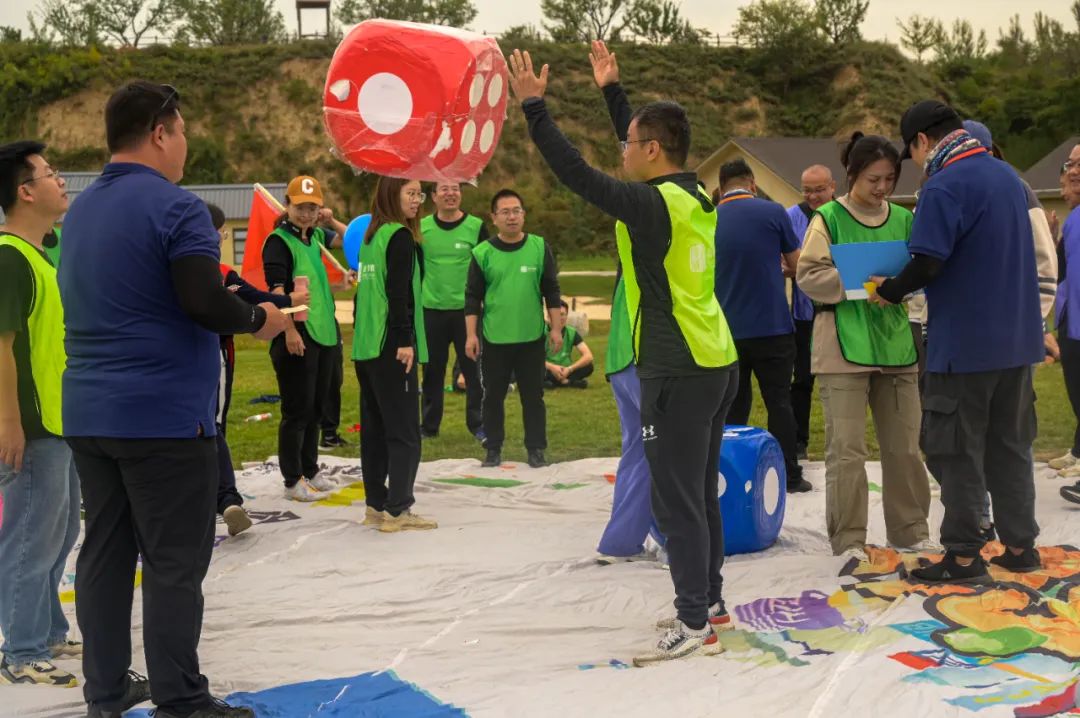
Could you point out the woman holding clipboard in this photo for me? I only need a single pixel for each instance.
(864, 354)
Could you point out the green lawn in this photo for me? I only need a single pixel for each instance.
(581, 423)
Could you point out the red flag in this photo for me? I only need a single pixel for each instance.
(261, 222)
(265, 210)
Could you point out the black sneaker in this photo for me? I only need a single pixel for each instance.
(580, 384)
(800, 487)
(800, 453)
(493, 458)
(1071, 493)
(1026, 562)
(216, 709)
(988, 533)
(138, 691)
(536, 459)
(333, 441)
(425, 434)
(947, 570)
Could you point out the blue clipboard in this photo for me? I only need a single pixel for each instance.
(858, 262)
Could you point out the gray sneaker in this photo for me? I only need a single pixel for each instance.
(680, 642)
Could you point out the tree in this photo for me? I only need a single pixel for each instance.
(10, 34)
(64, 23)
(660, 22)
(1049, 34)
(840, 19)
(920, 34)
(585, 20)
(520, 35)
(455, 13)
(230, 22)
(126, 22)
(1013, 43)
(961, 46)
(784, 28)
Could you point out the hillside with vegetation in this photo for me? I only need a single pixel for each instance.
(254, 111)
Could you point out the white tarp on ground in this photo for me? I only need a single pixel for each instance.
(503, 612)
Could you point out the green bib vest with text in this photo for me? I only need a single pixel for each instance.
(307, 262)
(372, 304)
(45, 324)
(447, 255)
(690, 265)
(564, 355)
(513, 305)
(870, 335)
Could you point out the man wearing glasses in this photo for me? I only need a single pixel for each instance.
(450, 235)
(511, 278)
(37, 475)
(818, 187)
(144, 307)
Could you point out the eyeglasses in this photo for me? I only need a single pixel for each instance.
(416, 195)
(511, 212)
(53, 173)
(1069, 164)
(815, 190)
(626, 143)
(448, 190)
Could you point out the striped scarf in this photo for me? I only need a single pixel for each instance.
(951, 146)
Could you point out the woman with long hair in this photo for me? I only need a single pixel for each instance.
(864, 354)
(388, 344)
(304, 355)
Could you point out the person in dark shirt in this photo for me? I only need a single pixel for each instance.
(561, 370)
(511, 277)
(682, 345)
(449, 238)
(388, 347)
(755, 249)
(38, 481)
(230, 504)
(144, 305)
(304, 357)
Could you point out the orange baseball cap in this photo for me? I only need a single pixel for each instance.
(304, 189)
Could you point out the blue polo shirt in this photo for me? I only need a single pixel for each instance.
(751, 234)
(802, 308)
(984, 312)
(138, 366)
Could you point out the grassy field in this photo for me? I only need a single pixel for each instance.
(581, 423)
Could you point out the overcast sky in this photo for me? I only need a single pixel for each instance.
(718, 15)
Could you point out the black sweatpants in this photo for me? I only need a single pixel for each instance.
(303, 382)
(1070, 366)
(389, 431)
(771, 360)
(977, 434)
(154, 498)
(802, 385)
(682, 425)
(524, 362)
(330, 418)
(443, 328)
(582, 372)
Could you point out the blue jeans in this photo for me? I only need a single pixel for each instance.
(40, 527)
(631, 509)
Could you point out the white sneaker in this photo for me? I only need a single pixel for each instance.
(1063, 462)
(372, 517)
(323, 483)
(1070, 473)
(680, 642)
(719, 619)
(924, 546)
(856, 552)
(302, 491)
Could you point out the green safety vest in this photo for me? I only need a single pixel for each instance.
(513, 306)
(690, 265)
(307, 262)
(45, 325)
(447, 255)
(54, 252)
(563, 356)
(620, 348)
(372, 304)
(870, 335)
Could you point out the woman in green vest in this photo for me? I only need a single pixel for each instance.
(863, 355)
(388, 345)
(304, 355)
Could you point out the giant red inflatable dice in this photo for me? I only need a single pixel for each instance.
(417, 101)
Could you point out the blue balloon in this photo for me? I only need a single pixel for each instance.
(354, 235)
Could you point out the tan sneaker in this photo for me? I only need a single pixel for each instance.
(373, 517)
(1070, 473)
(1063, 462)
(406, 521)
(40, 672)
(236, 519)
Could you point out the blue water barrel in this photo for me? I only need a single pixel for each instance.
(752, 490)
